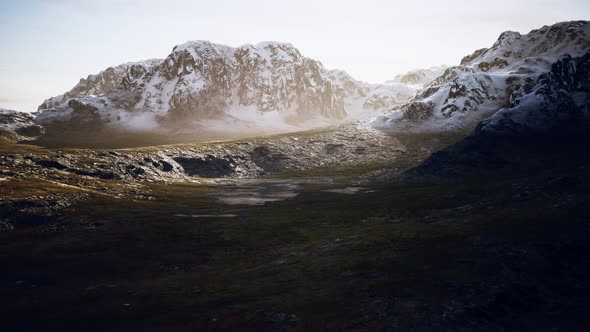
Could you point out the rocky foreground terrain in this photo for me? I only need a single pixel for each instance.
(91, 248)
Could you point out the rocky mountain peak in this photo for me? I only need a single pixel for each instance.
(18, 125)
(558, 104)
(202, 81)
(489, 79)
(548, 41)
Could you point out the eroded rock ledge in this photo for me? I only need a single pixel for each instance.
(237, 159)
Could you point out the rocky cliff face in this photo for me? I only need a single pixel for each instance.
(200, 80)
(559, 104)
(18, 125)
(110, 79)
(488, 79)
(547, 127)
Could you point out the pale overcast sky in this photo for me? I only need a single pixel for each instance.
(46, 46)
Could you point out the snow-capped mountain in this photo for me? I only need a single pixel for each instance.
(203, 81)
(419, 77)
(560, 99)
(110, 79)
(18, 125)
(488, 79)
(544, 128)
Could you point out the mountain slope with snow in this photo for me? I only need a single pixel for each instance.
(18, 125)
(201, 84)
(488, 79)
(419, 77)
(560, 99)
(547, 127)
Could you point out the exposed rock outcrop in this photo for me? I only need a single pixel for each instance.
(18, 125)
(488, 79)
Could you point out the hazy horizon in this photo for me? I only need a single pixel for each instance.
(47, 46)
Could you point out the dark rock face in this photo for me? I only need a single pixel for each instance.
(496, 63)
(83, 114)
(207, 167)
(548, 127)
(30, 131)
(201, 80)
(134, 170)
(489, 79)
(50, 164)
(18, 125)
(558, 104)
(105, 175)
(164, 165)
(268, 160)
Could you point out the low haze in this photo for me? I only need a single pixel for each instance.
(47, 46)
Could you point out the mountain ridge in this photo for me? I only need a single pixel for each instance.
(487, 80)
(546, 127)
(202, 80)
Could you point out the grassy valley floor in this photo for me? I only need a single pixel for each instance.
(303, 252)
